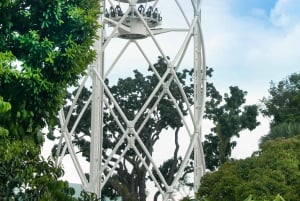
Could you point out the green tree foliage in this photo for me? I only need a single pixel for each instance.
(277, 198)
(44, 47)
(249, 198)
(21, 167)
(129, 180)
(272, 171)
(51, 40)
(26, 176)
(283, 104)
(230, 116)
(282, 130)
(4, 107)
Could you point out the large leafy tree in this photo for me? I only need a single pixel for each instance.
(283, 107)
(21, 167)
(25, 175)
(51, 42)
(230, 116)
(283, 104)
(44, 47)
(129, 180)
(273, 170)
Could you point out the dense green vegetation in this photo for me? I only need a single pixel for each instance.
(274, 169)
(282, 104)
(44, 48)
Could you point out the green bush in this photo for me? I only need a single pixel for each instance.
(272, 171)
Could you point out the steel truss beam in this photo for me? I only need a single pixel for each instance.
(100, 169)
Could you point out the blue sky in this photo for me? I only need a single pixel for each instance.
(248, 44)
(259, 44)
(246, 7)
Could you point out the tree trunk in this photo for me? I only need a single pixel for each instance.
(223, 144)
(142, 185)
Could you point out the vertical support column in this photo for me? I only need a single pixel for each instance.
(97, 111)
(199, 96)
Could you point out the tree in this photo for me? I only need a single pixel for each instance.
(51, 42)
(283, 104)
(131, 93)
(27, 170)
(277, 198)
(230, 116)
(26, 176)
(44, 48)
(282, 130)
(129, 179)
(273, 170)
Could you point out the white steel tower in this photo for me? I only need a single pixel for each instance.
(135, 30)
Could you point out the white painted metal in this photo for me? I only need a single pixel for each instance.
(134, 26)
(200, 90)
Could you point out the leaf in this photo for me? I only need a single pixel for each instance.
(4, 106)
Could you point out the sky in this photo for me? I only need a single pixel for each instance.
(251, 42)
(248, 43)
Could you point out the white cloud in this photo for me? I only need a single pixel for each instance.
(286, 13)
(250, 50)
